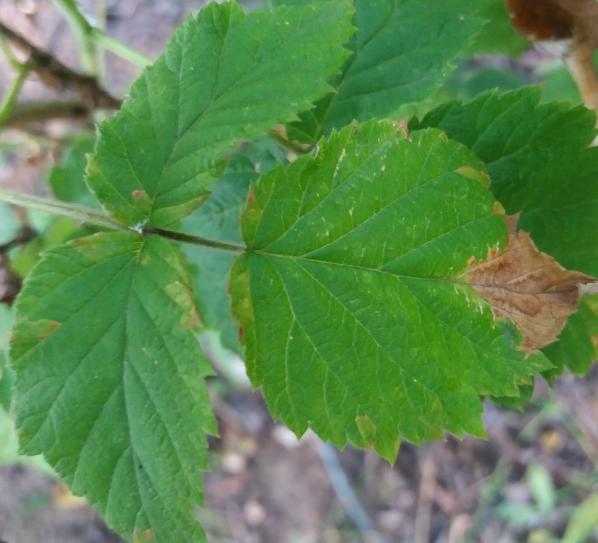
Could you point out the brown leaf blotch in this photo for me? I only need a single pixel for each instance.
(139, 194)
(529, 288)
(143, 536)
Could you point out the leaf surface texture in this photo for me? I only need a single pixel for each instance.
(356, 317)
(110, 381)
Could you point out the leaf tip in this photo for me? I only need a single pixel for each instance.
(529, 288)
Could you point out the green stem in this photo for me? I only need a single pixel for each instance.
(102, 19)
(120, 49)
(195, 240)
(10, 99)
(7, 51)
(89, 34)
(72, 211)
(97, 218)
(84, 31)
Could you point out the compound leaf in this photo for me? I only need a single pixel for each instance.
(399, 56)
(353, 301)
(110, 381)
(224, 77)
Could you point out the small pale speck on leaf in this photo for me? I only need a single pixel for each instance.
(529, 288)
(402, 125)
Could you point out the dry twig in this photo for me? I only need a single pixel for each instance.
(57, 75)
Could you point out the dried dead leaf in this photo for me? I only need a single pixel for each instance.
(564, 19)
(530, 288)
(541, 19)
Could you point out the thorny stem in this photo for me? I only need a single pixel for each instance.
(97, 218)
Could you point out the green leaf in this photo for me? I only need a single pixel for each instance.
(9, 446)
(357, 320)
(541, 164)
(51, 231)
(6, 377)
(400, 56)
(110, 381)
(539, 159)
(472, 79)
(498, 36)
(9, 224)
(577, 346)
(67, 178)
(583, 521)
(224, 77)
(219, 219)
(542, 488)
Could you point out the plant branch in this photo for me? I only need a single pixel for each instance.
(25, 235)
(83, 30)
(10, 99)
(90, 36)
(195, 240)
(7, 51)
(57, 75)
(89, 216)
(120, 49)
(29, 112)
(77, 213)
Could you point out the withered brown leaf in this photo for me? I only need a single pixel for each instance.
(541, 19)
(576, 20)
(530, 288)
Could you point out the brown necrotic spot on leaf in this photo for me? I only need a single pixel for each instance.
(530, 288)
(31, 334)
(143, 536)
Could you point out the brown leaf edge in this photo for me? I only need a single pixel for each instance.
(528, 287)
